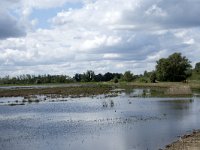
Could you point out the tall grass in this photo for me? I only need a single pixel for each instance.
(179, 90)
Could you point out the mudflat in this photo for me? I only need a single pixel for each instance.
(187, 142)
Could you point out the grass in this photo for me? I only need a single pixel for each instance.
(96, 88)
(179, 90)
(54, 84)
(66, 91)
(195, 76)
(191, 84)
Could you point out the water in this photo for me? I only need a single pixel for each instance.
(124, 122)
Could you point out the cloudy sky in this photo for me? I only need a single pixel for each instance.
(69, 36)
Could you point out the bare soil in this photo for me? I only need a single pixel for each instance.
(187, 142)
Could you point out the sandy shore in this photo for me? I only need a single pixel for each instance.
(187, 142)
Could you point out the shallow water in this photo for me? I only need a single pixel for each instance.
(124, 122)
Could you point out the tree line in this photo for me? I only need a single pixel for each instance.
(88, 76)
(173, 68)
(33, 79)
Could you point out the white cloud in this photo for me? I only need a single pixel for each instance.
(111, 55)
(154, 10)
(103, 35)
(99, 41)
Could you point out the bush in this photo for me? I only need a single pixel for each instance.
(153, 77)
(116, 80)
(143, 80)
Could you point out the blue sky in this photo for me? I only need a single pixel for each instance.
(44, 15)
(69, 36)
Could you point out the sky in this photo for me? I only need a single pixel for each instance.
(73, 36)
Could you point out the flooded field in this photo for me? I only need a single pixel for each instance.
(131, 120)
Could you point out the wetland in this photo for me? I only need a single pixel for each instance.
(94, 117)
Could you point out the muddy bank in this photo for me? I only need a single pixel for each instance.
(186, 142)
(65, 91)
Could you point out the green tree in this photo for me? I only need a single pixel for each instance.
(128, 76)
(162, 69)
(98, 77)
(108, 76)
(88, 76)
(115, 80)
(147, 74)
(153, 77)
(173, 68)
(197, 67)
(77, 77)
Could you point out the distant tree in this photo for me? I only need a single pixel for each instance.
(136, 77)
(128, 76)
(147, 74)
(108, 76)
(62, 79)
(98, 77)
(48, 79)
(32, 79)
(68, 79)
(117, 75)
(197, 67)
(143, 79)
(153, 77)
(173, 68)
(88, 76)
(115, 80)
(38, 81)
(77, 77)
(162, 69)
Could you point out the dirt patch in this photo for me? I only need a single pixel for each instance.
(186, 142)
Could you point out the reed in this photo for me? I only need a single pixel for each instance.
(179, 90)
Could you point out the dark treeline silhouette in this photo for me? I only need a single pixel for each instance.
(32, 79)
(91, 76)
(88, 76)
(173, 68)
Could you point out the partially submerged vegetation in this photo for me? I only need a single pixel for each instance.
(64, 91)
(165, 89)
(179, 90)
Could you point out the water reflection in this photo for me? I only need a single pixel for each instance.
(145, 92)
(109, 103)
(182, 104)
(138, 92)
(120, 123)
(177, 109)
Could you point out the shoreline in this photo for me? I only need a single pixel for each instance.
(186, 142)
(192, 84)
(90, 89)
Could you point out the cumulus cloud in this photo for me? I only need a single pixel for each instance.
(14, 15)
(154, 14)
(104, 35)
(10, 25)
